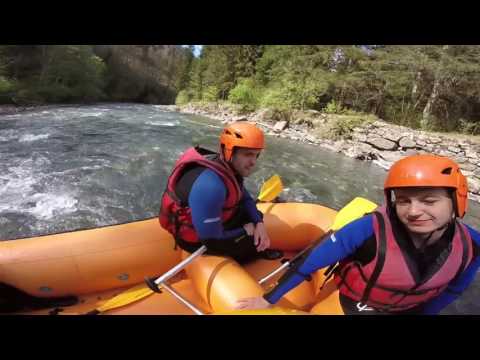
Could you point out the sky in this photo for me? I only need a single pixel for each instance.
(198, 49)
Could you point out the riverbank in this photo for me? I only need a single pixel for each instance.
(362, 137)
(13, 109)
(17, 109)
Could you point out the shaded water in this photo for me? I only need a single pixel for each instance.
(66, 168)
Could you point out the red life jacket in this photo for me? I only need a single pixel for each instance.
(175, 216)
(388, 282)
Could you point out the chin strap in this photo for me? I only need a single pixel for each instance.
(425, 242)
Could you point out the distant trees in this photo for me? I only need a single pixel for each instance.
(31, 74)
(53, 73)
(432, 87)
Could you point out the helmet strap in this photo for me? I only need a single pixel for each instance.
(427, 239)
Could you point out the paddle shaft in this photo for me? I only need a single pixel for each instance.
(288, 263)
(182, 299)
(179, 267)
(162, 280)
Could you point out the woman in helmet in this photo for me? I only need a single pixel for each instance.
(412, 256)
(206, 202)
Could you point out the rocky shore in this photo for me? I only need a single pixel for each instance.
(375, 140)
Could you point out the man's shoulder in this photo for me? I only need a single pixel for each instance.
(208, 181)
(210, 175)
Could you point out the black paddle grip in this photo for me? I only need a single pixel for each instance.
(152, 285)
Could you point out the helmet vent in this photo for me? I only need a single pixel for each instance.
(447, 171)
(228, 132)
(238, 135)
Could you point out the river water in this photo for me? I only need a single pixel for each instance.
(64, 168)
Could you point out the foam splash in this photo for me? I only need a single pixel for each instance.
(8, 135)
(49, 205)
(92, 114)
(165, 124)
(24, 190)
(31, 137)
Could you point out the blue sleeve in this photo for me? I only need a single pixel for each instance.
(250, 207)
(457, 287)
(206, 200)
(337, 247)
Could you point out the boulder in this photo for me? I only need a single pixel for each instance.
(410, 152)
(459, 159)
(393, 136)
(382, 144)
(474, 197)
(473, 185)
(359, 137)
(468, 173)
(239, 118)
(407, 143)
(390, 156)
(280, 126)
(360, 151)
(446, 153)
(468, 166)
(471, 154)
(434, 140)
(454, 149)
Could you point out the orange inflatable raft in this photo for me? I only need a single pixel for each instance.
(99, 264)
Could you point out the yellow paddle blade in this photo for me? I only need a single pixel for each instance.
(271, 189)
(355, 209)
(129, 296)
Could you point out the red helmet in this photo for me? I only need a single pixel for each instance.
(429, 171)
(241, 134)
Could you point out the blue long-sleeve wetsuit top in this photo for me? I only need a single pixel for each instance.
(358, 237)
(207, 200)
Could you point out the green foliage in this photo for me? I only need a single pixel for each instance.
(210, 93)
(333, 108)
(55, 73)
(73, 73)
(341, 126)
(5, 85)
(183, 97)
(470, 128)
(7, 88)
(245, 94)
(275, 98)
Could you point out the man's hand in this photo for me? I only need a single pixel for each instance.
(260, 237)
(252, 304)
(249, 228)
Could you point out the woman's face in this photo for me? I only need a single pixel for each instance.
(423, 210)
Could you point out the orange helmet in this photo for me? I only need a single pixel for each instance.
(241, 134)
(430, 171)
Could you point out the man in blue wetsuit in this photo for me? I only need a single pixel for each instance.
(412, 256)
(206, 203)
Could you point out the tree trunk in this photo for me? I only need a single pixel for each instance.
(428, 118)
(416, 83)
